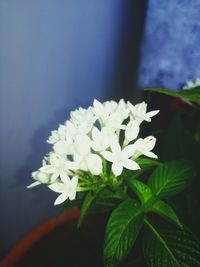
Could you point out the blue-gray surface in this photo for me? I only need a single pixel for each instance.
(171, 44)
(54, 57)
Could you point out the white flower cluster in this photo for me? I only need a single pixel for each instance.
(91, 137)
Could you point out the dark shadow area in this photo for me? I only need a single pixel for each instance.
(124, 84)
(68, 246)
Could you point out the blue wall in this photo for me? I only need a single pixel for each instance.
(54, 57)
(171, 45)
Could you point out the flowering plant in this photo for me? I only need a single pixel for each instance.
(101, 159)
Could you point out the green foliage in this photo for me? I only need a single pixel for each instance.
(166, 246)
(131, 200)
(145, 165)
(142, 190)
(191, 95)
(151, 203)
(121, 232)
(87, 204)
(164, 210)
(171, 178)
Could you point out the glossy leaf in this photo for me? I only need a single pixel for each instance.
(192, 94)
(87, 204)
(170, 178)
(142, 190)
(165, 246)
(164, 210)
(121, 232)
(145, 165)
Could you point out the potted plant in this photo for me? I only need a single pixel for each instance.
(103, 160)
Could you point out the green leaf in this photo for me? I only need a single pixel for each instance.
(88, 202)
(121, 232)
(166, 246)
(163, 91)
(192, 94)
(164, 210)
(170, 178)
(145, 165)
(142, 190)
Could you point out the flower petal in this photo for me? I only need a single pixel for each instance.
(64, 178)
(108, 155)
(57, 187)
(33, 184)
(94, 164)
(47, 169)
(128, 151)
(117, 168)
(60, 199)
(150, 155)
(132, 130)
(115, 146)
(152, 113)
(95, 133)
(131, 165)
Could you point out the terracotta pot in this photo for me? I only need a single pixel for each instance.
(58, 243)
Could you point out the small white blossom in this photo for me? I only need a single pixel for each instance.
(82, 145)
(139, 112)
(94, 164)
(101, 140)
(83, 116)
(63, 147)
(40, 178)
(144, 147)
(53, 138)
(132, 130)
(67, 188)
(114, 122)
(120, 158)
(57, 166)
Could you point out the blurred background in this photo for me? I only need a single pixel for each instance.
(58, 55)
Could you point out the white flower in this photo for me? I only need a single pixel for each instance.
(63, 147)
(94, 164)
(62, 132)
(101, 140)
(103, 110)
(57, 166)
(122, 109)
(82, 145)
(53, 138)
(139, 112)
(40, 178)
(132, 130)
(67, 188)
(144, 147)
(81, 161)
(120, 158)
(89, 138)
(83, 116)
(114, 122)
